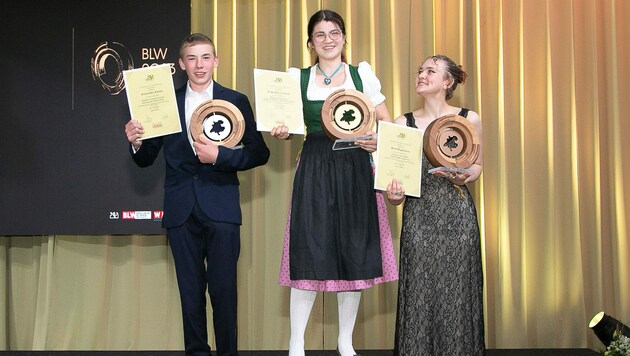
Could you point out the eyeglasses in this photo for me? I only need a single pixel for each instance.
(321, 36)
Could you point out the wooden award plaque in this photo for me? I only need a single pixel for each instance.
(347, 113)
(220, 121)
(451, 141)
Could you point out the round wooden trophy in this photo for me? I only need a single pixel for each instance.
(220, 121)
(451, 141)
(347, 113)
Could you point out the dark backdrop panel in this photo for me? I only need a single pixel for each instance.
(65, 167)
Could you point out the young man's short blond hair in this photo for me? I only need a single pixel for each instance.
(195, 39)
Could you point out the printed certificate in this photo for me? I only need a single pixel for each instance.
(151, 98)
(399, 155)
(278, 101)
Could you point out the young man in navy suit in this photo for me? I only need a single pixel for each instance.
(202, 213)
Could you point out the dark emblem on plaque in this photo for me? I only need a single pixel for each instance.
(451, 142)
(348, 116)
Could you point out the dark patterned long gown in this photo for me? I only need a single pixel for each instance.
(440, 293)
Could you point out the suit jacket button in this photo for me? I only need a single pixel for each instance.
(195, 176)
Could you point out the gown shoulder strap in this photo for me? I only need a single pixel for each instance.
(411, 122)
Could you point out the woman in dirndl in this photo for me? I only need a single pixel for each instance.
(337, 237)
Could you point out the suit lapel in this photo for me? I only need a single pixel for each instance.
(218, 91)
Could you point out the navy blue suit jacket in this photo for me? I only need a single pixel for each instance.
(215, 187)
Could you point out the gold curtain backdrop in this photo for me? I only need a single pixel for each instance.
(548, 78)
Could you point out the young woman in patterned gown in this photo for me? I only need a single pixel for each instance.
(440, 291)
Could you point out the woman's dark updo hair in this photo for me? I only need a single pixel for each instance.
(325, 15)
(453, 71)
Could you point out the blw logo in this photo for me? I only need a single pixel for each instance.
(158, 215)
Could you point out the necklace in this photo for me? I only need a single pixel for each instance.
(327, 77)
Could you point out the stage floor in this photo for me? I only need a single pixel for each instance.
(491, 352)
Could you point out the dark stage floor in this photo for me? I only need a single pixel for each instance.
(495, 352)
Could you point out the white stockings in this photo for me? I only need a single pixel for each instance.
(301, 305)
(300, 309)
(348, 305)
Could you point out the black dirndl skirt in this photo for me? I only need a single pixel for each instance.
(334, 220)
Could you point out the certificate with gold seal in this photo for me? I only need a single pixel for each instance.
(399, 155)
(278, 101)
(151, 98)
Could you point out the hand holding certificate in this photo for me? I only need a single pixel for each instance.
(399, 155)
(151, 97)
(278, 101)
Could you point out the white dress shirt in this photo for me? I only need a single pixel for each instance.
(192, 101)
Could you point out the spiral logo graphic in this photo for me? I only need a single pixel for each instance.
(108, 62)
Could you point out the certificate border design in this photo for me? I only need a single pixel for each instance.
(383, 174)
